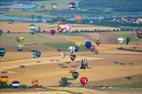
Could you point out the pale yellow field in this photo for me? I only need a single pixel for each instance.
(48, 70)
(24, 27)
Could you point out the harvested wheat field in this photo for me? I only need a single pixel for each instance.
(106, 70)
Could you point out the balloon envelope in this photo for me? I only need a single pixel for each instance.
(83, 81)
(71, 5)
(36, 53)
(120, 40)
(75, 75)
(88, 44)
(2, 52)
(15, 83)
(72, 57)
(76, 48)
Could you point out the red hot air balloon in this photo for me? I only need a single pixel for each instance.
(83, 81)
(77, 19)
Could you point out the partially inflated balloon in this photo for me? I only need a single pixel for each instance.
(88, 44)
(83, 81)
(75, 75)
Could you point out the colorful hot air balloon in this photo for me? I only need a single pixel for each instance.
(84, 64)
(20, 47)
(139, 34)
(36, 53)
(4, 78)
(75, 75)
(88, 44)
(79, 44)
(72, 57)
(71, 49)
(15, 84)
(33, 28)
(77, 19)
(62, 27)
(2, 52)
(92, 48)
(52, 32)
(71, 5)
(83, 81)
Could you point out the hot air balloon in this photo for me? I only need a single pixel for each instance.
(77, 19)
(75, 75)
(62, 27)
(54, 6)
(139, 34)
(71, 49)
(15, 84)
(52, 32)
(20, 47)
(72, 57)
(78, 43)
(88, 44)
(2, 52)
(84, 64)
(35, 83)
(20, 39)
(92, 48)
(76, 48)
(120, 40)
(36, 53)
(83, 81)
(71, 5)
(32, 28)
(4, 78)
(97, 41)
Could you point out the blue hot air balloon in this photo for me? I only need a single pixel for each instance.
(76, 48)
(2, 52)
(88, 44)
(36, 53)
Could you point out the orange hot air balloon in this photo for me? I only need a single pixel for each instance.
(4, 78)
(35, 83)
(78, 19)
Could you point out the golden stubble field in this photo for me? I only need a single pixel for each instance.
(102, 71)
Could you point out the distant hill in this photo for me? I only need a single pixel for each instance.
(116, 5)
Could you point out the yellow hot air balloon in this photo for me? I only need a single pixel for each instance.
(21, 39)
(78, 43)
